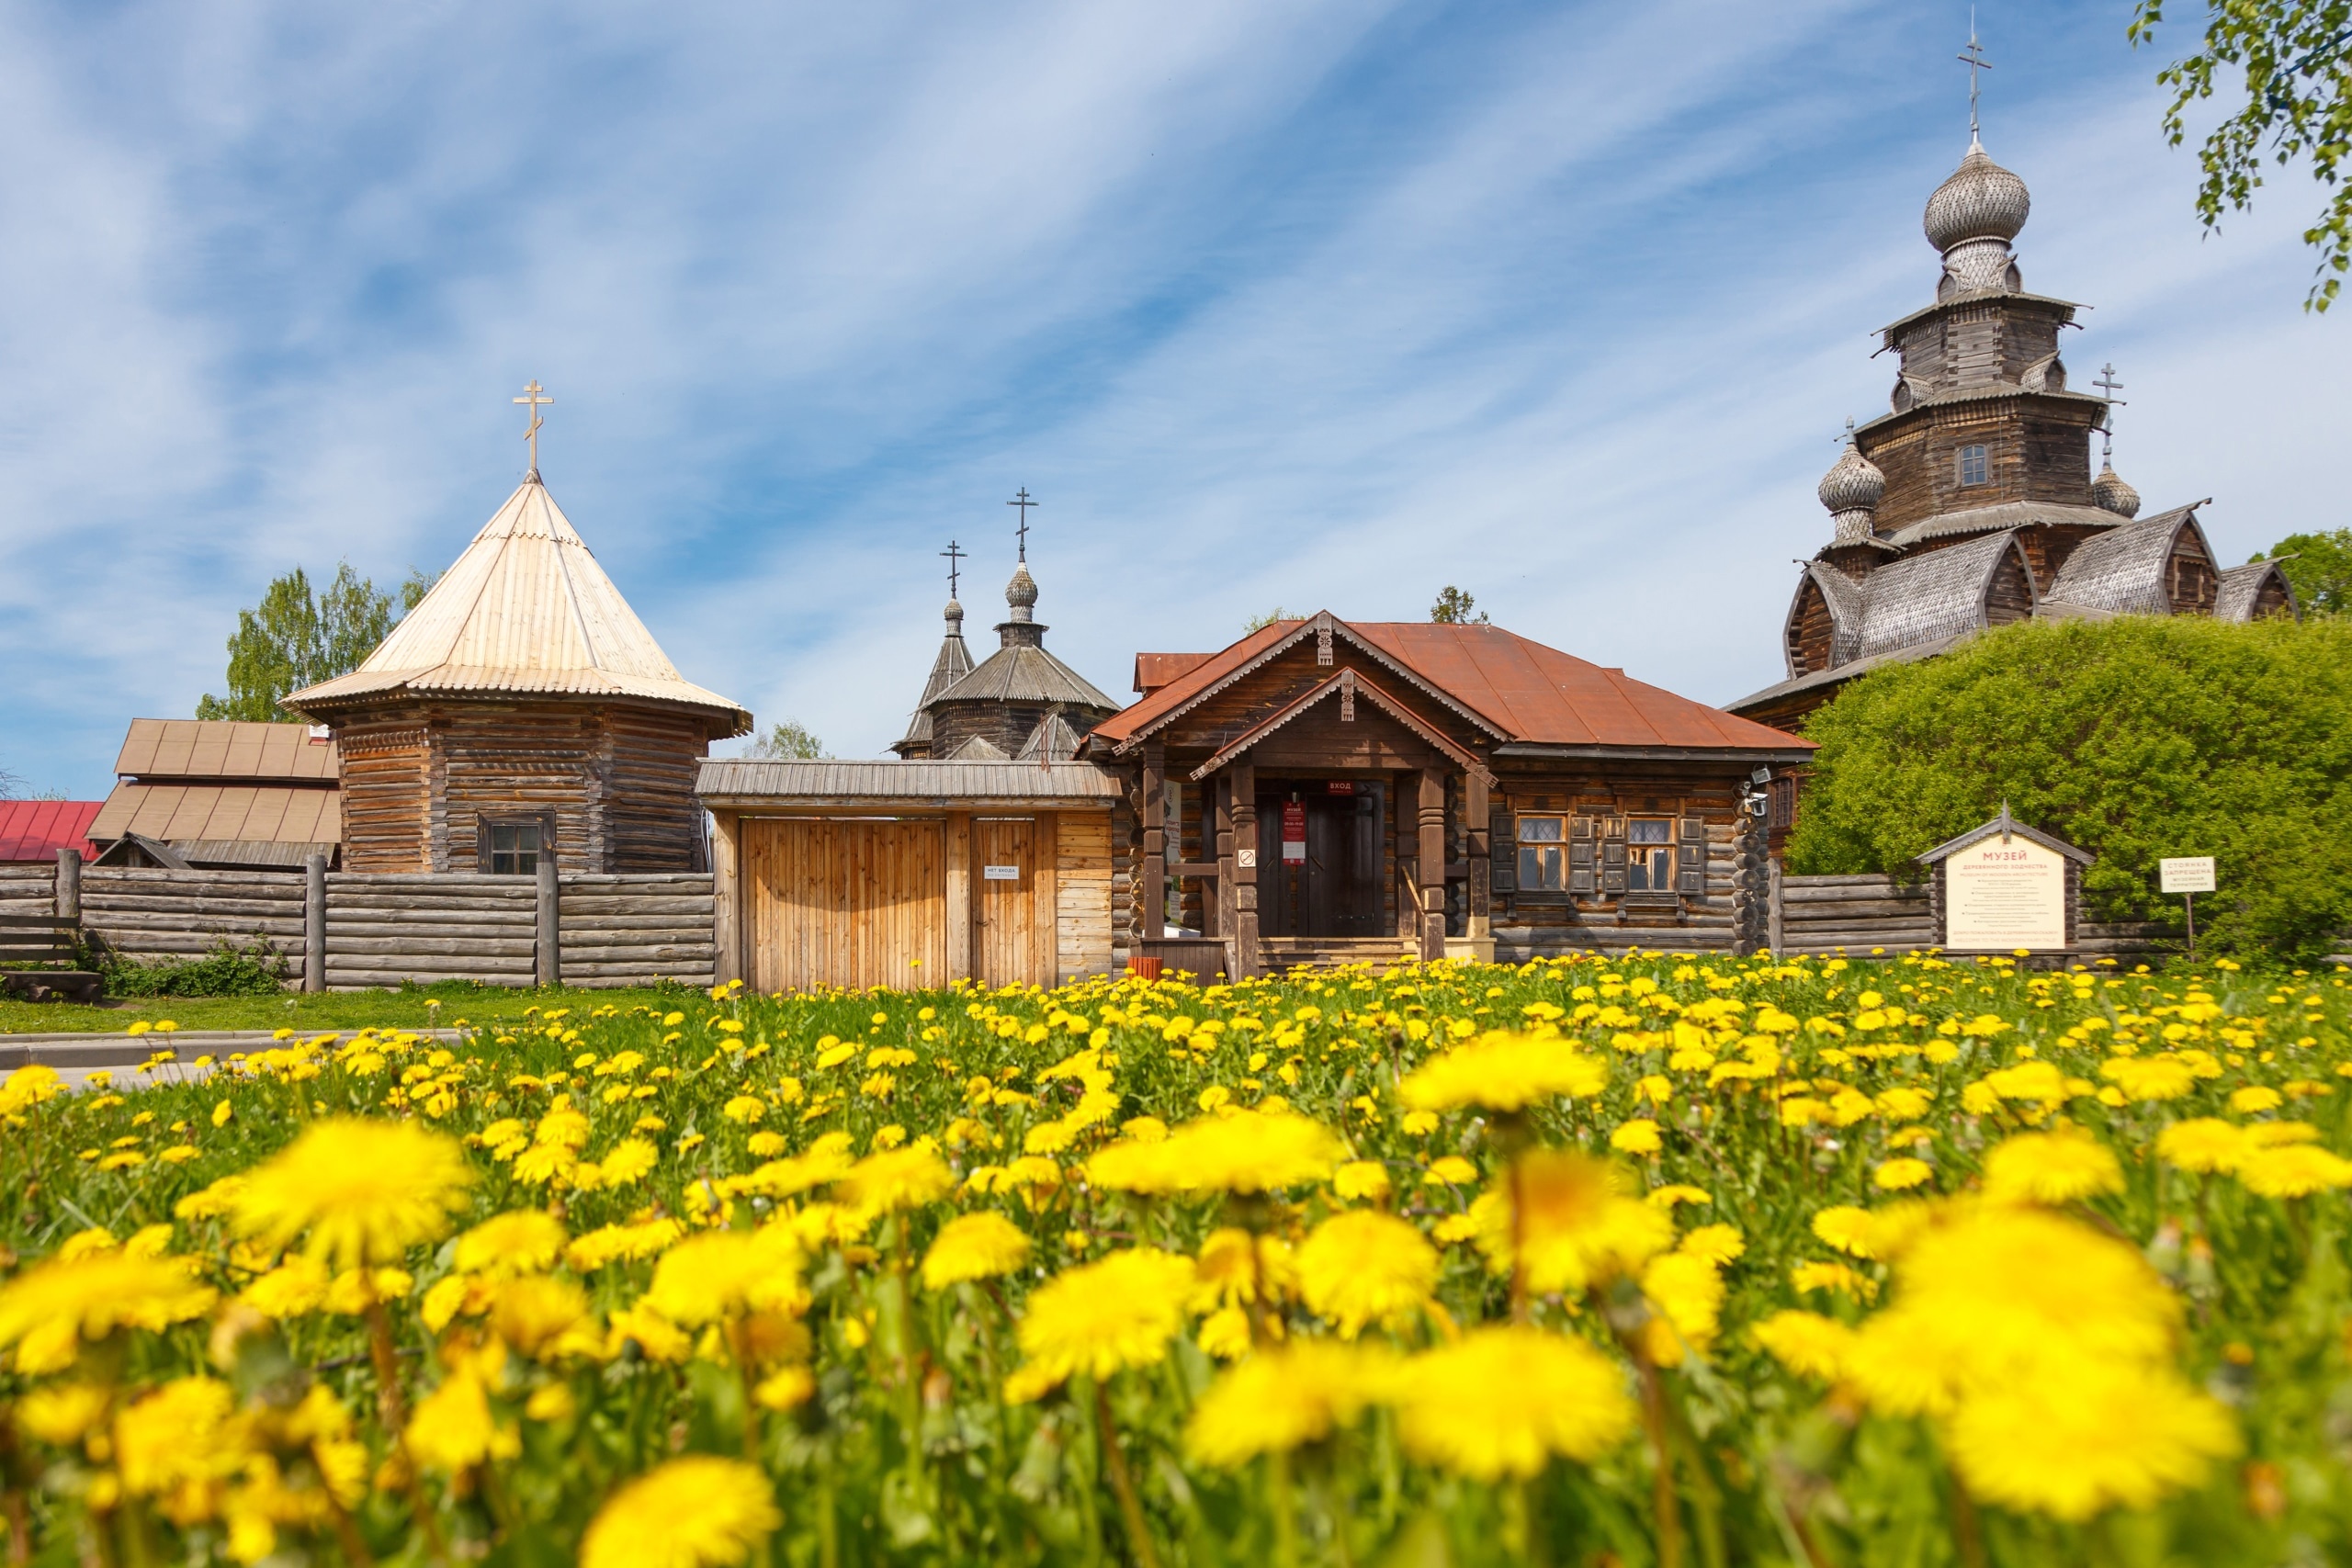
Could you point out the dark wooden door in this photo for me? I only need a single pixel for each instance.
(1335, 889)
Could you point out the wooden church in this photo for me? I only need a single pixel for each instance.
(521, 709)
(1971, 503)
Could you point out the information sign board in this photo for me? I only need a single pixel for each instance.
(1999, 896)
(999, 873)
(1294, 831)
(2187, 873)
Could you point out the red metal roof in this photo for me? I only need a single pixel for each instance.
(1533, 695)
(32, 832)
(1153, 671)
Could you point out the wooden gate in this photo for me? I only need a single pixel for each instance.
(1012, 915)
(845, 902)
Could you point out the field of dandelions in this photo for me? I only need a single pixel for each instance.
(1643, 1261)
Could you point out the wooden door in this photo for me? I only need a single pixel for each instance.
(1333, 890)
(1012, 934)
(845, 902)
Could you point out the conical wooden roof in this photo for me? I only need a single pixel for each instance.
(525, 611)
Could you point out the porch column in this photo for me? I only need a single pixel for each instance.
(728, 961)
(1244, 777)
(1155, 840)
(1433, 863)
(1217, 845)
(1479, 849)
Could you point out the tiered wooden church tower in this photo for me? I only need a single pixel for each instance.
(521, 707)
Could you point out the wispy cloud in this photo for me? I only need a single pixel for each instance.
(1318, 304)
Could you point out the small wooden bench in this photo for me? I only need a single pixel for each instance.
(52, 940)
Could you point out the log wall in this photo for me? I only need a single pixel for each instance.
(610, 929)
(1824, 916)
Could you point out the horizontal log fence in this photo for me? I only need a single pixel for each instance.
(1824, 916)
(342, 930)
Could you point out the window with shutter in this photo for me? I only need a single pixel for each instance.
(1582, 882)
(1692, 857)
(1612, 856)
(1501, 840)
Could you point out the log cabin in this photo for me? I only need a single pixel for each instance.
(521, 710)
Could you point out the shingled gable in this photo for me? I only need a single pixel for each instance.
(1521, 692)
(1347, 685)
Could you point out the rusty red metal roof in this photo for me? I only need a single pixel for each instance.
(1531, 694)
(1153, 671)
(32, 832)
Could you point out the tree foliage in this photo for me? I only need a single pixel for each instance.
(786, 740)
(2321, 569)
(1454, 608)
(2296, 60)
(296, 637)
(1255, 622)
(2136, 738)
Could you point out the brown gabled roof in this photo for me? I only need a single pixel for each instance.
(224, 748)
(1153, 671)
(1521, 691)
(219, 813)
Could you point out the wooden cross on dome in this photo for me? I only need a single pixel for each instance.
(1974, 58)
(1022, 501)
(2108, 385)
(955, 554)
(532, 395)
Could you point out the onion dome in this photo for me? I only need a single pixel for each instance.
(1851, 490)
(1972, 219)
(2111, 493)
(1021, 593)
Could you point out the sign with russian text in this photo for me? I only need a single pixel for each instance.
(1294, 831)
(999, 873)
(2187, 873)
(1999, 896)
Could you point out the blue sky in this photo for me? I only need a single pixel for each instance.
(1316, 305)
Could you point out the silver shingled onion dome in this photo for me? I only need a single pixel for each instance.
(1022, 593)
(1972, 219)
(1851, 490)
(2111, 493)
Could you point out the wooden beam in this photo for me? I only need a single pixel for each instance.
(1244, 779)
(1155, 840)
(1479, 851)
(1432, 863)
(1221, 847)
(727, 898)
(958, 923)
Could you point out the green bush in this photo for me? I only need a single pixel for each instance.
(228, 970)
(2136, 738)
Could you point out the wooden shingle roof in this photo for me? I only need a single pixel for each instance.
(224, 748)
(525, 610)
(2123, 570)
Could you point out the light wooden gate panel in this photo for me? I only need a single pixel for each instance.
(845, 903)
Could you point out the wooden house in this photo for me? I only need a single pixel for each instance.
(520, 709)
(1971, 503)
(984, 852)
(218, 794)
(1324, 789)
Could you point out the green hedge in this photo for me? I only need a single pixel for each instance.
(2136, 738)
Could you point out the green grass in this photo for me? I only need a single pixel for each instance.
(416, 1007)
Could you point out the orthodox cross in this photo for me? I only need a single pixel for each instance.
(1974, 58)
(1022, 501)
(531, 395)
(2108, 385)
(955, 554)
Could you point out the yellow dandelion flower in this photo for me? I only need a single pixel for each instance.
(1807, 1343)
(695, 1512)
(50, 1308)
(1669, 1197)
(1362, 1267)
(28, 1087)
(1639, 1137)
(722, 1274)
(1249, 1151)
(175, 1442)
(1505, 1071)
(1834, 1277)
(1577, 1228)
(1719, 1244)
(2148, 1078)
(2051, 1167)
(2203, 1145)
(896, 1178)
(293, 1289)
(974, 1246)
(2256, 1099)
(454, 1427)
(362, 1192)
(1279, 1399)
(61, 1414)
(2276, 1134)
(1501, 1402)
(1902, 1175)
(1235, 1268)
(523, 1241)
(2293, 1171)
(531, 1315)
(2087, 1438)
(1689, 1295)
(628, 1161)
(1361, 1179)
(1098, 1317)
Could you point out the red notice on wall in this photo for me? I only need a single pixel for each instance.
(1294, 830)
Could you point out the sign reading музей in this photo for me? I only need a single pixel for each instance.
(2006, 887)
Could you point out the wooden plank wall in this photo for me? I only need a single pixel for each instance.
(1082, 894)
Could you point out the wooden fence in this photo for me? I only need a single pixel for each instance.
(340, 931)
(1819, 915)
